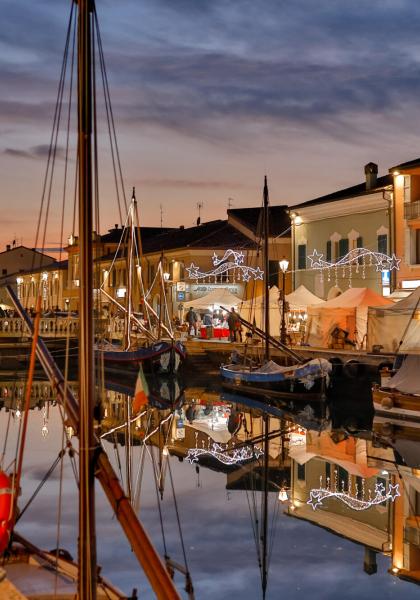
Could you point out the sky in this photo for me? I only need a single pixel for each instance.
(208, 96)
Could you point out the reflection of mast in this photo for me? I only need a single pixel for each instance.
(264, 573)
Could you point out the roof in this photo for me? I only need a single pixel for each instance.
(213, 235)
(406, 165)
(15, 248)
(114, 235)
(350, 192)
(278, 222)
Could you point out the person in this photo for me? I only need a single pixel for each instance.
(207, 319)
(232, 322)
(191, 319)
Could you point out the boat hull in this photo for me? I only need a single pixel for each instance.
(396, 404)
(164, 357)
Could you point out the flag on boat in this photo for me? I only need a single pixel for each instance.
(141, 394)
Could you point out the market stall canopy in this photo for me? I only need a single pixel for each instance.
(253, 311)
(301, 298)
(347, 311)
(387, 325)
(216, 298)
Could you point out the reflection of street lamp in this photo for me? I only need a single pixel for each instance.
(283, 496)
(166, 277)
(284, 265)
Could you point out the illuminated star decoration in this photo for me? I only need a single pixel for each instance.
(226, 456)
(381, 261)
(317, 496)
(231, 260)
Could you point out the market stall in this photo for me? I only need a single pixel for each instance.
(297, 314)
(212, 318)
(386, 325)
(253, 311)
(347, 313)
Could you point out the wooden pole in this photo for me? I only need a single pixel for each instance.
(266, 273)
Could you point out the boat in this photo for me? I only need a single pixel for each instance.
(143, 342)
(306, 380)
(28, 572)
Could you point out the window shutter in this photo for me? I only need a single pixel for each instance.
(343, 247)
(329, 252)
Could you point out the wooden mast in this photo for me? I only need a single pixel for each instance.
(87, 534)
(266, 272)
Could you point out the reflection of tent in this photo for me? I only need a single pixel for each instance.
(216, 298)
(253, 310)
(348, 311)
(301, 298)
(386, 326)
(351, 454)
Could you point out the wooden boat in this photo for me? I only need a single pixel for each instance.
(156, 352)
(291, 382)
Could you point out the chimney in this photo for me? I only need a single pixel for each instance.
(181, 227)
(7, 247)
(371, 173)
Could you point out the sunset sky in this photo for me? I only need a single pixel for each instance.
(208, 96)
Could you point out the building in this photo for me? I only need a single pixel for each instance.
(330, 226)
(406, 223)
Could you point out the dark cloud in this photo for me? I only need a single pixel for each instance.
(41, 151)
(187, 183)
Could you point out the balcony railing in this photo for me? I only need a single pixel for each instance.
(412, 210)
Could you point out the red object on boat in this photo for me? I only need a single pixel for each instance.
(6, 510)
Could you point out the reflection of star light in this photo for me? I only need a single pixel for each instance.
(258, 274)
(246, 276)
(394, 263)
(239, 258)
(226, 456)
(381, 495)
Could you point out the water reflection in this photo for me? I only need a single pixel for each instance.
(355, 477)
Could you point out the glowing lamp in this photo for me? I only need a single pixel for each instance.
(166, 276)
(284, 265)
(298, 220)
(283, 497)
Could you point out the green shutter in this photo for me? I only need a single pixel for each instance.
(329, 252)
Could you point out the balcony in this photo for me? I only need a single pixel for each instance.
(412, 210)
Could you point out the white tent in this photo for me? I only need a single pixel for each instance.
(348, 311)
(253, 310)
(387, 325)
(214, 300)
(301, 298)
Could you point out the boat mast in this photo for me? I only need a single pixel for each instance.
(265, 506)
(266, 269)
(87, 534)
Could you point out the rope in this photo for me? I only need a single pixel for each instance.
(6, 437)
(178, 520)
(42, 482)
(152, 455)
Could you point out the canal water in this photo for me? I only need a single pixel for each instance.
(321, 553)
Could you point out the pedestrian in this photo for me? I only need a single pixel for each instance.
(191, 319)
(232, 322)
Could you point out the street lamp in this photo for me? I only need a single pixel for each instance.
(284, 265)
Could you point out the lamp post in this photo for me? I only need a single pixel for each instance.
(284, 265)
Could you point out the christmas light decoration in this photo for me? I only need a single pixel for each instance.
(227, 456)
(232, 260)
(353, 501)
(356, 257)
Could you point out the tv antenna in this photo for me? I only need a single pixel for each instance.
(161, 216)
(199, 207)
(230, 203)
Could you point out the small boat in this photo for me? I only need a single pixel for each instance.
(165, 356)
(399, 396)
(306, 380)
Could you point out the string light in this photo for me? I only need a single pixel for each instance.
(379, 260)
(226, 456)
(224, 265)
(317, 496)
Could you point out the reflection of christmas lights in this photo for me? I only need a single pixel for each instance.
(317, 496)
(226, 456)
(357, 257)
(223, 265)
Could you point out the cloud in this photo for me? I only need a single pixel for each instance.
(41, 151)
(188, 183)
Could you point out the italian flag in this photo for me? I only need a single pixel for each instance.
(141, 394)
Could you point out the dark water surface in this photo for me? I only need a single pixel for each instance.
(306, 560)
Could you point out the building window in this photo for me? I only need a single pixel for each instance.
(383, 243)
(407, 194)
(4, 271)
(329, 251)
(343, 478)
(343, 247)
(302, 256)
(328, 471)
(417, 240)
(301, 472)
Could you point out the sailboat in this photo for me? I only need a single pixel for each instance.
(27, 563)
(308, 380)
(147, 345)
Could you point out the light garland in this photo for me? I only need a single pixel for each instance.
(224, 265)
(381, 261)
(225, 456)
(381, 495)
